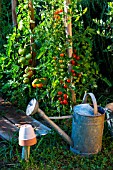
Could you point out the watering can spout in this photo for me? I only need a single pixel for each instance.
(33, 107)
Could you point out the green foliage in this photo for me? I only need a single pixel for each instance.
(5, 22)
(50, 42)
(11, 69)
(50, 33)
(99, 17)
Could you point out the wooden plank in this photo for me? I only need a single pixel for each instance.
(22, 118)
(18, 117)
(11, 116)
(7, 129)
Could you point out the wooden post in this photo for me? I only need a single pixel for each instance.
(32, 26)
(14, 16)
(68, 30)
(68, 25)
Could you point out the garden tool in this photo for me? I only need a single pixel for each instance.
(87, 125)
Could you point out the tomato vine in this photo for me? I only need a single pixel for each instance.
(55, 75)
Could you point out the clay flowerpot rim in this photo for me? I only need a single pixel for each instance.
(29, 142)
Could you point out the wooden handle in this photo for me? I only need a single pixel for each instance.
(57, 128)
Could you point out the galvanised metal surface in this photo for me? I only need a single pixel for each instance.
(87, 130)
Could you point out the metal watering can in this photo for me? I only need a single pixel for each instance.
(87, 126)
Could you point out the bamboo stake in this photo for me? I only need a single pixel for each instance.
(32, 26)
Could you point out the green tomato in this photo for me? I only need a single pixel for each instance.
(27, 69)
(25, 75)
(28, 56)
(26, 80)
(26, 62)
(21, 51)
(54, 64)
(61, 70)
(21, 60)
(62, 66)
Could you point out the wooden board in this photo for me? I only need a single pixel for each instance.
(11, 119)
(7, 129)
(21, 118)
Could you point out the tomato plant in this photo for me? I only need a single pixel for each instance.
(50, 80)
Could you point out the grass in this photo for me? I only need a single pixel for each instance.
(52, 153)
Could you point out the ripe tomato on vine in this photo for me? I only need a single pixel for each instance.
(59, 92)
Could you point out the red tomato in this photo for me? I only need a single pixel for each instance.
(60, 10)
(59, 92)
(65, 102)
(65, 96)
(59, 98)
(65, 86)
(61, 102)
(68, 80)
(77, 57)
(72, 71)
(74, 74)
(40, 85)
(62, 55)
(73, 62)
(74, 55)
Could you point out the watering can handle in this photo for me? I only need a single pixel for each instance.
(93, 100)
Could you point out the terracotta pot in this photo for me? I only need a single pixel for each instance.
(27, 135)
